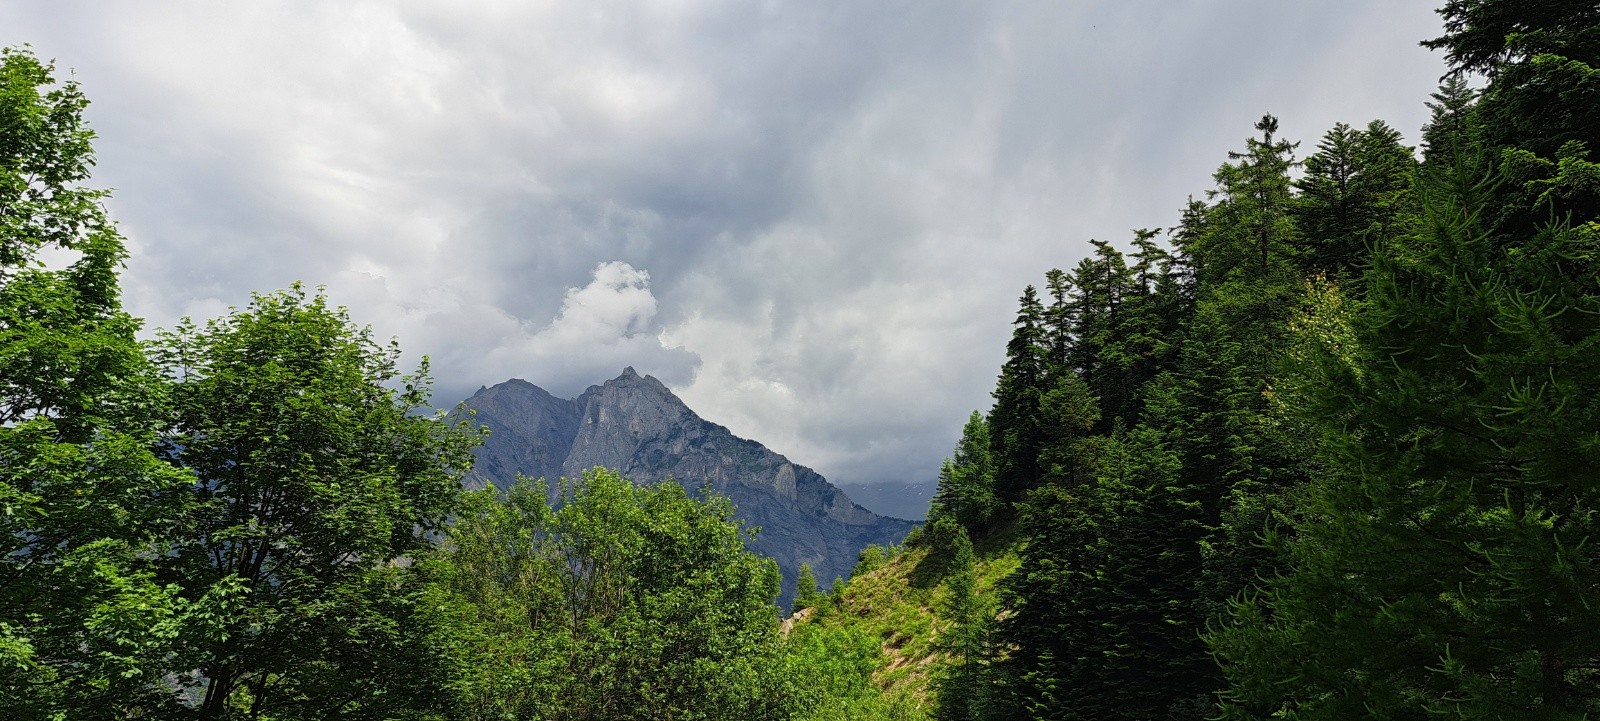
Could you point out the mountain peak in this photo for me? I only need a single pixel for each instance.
(631, 383)
(635, 425)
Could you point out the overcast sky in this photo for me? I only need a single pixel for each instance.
(809, 218)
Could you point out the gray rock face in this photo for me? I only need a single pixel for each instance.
(634, 425)
(531, 433)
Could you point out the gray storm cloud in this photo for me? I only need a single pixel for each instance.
(811, 218)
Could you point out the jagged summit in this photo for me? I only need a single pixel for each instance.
(636, 425)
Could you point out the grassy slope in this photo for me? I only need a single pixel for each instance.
(900, 603)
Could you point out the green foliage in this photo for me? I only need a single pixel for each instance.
(1490, 36)
(1355, 189)
(1437, 567)
(1069, 455)
(833, 666)
(625, 602)
(959, 685)
(86, 628)
(1353, 413)
(872, 558)
(1541, 108)
(966, 491)
(805, 589)
(905, 614)
(1114, 341)
(1103, 610)
(1163, 458)
(1015, 430)
(1251, 238)
(1453, 134)
(1440, 567)
(311, 477)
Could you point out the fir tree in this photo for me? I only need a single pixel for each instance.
(1452, 133)
(960, 683)
(1015, 429)
(1355, 188)
(966, 480)
(1443, 567)
(1540, 113)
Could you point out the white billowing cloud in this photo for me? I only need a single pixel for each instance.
(837, 202)
(615, 305)
(602, 327)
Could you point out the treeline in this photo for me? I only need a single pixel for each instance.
(1333, 450)
(255, 517)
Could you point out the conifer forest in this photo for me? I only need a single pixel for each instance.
(1328, 449)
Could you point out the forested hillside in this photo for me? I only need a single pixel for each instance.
(1329, 451)
(1328, 448)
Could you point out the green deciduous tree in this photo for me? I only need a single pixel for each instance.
(830, 671)
(626, 602)
(86, 630)
(806, 594)
(314, 477)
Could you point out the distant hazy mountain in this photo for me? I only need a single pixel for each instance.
(892, 498)
(635, 425)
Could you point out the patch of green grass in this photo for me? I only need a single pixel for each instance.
(899, 603)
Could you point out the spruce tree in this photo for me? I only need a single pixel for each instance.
(1355, 189)
(1015, 428)
(1104, 287)
(1540, 113)
(1452, 133)
(1098, 628)
(965, 491)
(1149, 523)
(1255, 236)
(1443, 567)
(959, 684)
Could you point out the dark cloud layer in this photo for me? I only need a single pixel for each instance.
(810, 218)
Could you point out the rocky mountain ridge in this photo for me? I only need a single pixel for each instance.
(635, 425)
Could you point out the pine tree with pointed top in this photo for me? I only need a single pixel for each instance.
(1355, 188)
(1015, 429)
(1452, 134)
(965, 491)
